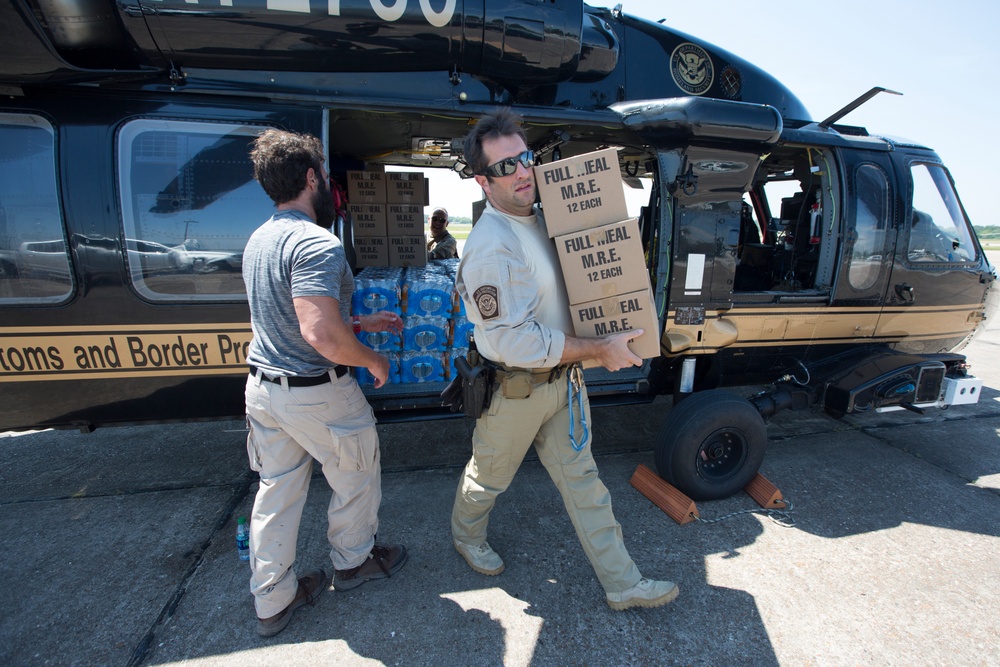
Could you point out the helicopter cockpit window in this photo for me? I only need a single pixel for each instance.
(871, 188)
(34, 254)
(938, 230)
(189, 204)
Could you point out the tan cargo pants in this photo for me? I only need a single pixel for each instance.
(289, 427)
(500, 441)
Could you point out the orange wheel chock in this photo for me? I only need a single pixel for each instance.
(667, 497)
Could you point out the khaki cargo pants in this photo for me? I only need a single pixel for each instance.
(289, 427)
(500, 441)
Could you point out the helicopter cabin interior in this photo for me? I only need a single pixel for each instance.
(787, 239)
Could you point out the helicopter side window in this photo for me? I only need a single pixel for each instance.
(938, 230)
(189, 205)
(871, 189)
(34, 254)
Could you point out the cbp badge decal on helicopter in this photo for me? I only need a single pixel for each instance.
(692, 69)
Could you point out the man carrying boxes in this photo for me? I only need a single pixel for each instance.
(516, 299)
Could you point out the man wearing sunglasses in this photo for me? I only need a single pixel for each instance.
(442, 244)
(513, 290)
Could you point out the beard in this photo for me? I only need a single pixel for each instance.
(323, 206)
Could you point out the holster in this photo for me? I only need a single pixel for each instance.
(472, 390)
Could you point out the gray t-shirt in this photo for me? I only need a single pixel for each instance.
(291, 256)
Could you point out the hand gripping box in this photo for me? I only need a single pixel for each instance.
(581, 192)
(625, 312)
(602, 261)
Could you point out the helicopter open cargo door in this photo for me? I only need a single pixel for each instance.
(703, 186)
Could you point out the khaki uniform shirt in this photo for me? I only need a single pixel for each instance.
(512, 286)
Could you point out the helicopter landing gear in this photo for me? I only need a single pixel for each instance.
(712, 447)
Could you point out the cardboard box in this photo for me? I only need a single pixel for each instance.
(407, 251)
(625, 312)
(404, 220)
(603, 261)
(406, 187)
(371, 251)
(366, 187)
(581, 192)
(368, 219)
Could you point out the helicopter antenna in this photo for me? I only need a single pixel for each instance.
(854, 105)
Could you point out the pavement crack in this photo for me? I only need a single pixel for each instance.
(236, 498)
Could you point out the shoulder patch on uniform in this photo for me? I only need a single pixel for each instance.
(487, 301)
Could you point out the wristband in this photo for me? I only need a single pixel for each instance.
(357, 325)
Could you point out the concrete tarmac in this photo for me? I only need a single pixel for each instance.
(120, 550)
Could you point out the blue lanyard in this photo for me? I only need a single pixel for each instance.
(576, 373)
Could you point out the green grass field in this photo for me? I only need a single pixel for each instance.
(459, 230)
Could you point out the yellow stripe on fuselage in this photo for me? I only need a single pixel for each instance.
(124, 351)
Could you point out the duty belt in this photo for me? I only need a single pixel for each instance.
(538, 374)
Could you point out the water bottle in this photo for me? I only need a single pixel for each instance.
(243, 538)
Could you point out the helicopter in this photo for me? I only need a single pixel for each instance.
(835, 267)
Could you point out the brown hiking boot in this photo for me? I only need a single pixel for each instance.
(381, 563)
(310, 588)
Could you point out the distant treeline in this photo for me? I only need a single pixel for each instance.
(452, 220)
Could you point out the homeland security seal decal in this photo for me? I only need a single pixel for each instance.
(487, 301)
(691, 68)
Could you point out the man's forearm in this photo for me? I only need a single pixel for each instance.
(579, 349)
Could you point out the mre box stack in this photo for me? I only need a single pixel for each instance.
(387, 210)
(599, 249)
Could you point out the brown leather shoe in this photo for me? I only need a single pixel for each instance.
(381, 563)
(310, 588)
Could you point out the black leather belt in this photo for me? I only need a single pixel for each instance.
(300, 380)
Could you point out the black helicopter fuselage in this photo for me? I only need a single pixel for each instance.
(776, 247)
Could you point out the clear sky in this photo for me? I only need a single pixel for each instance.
(943, 57)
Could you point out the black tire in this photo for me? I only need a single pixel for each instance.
(712, 446)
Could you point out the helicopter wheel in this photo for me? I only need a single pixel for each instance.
(712, 447)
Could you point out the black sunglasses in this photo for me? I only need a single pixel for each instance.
(508, 165)
(438, 218)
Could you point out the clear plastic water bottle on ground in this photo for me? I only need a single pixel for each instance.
(243, 538)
